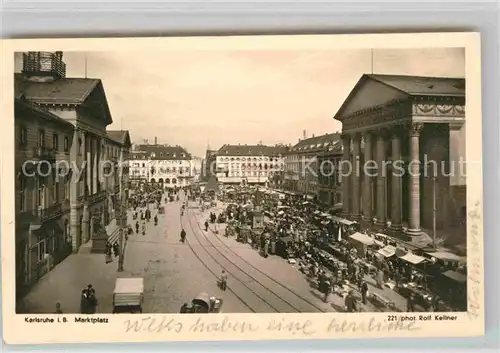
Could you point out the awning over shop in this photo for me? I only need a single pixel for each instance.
(446, 256)
(324, 214)
(456, 276)
(412, 258)
(387, 251)
(341, 220)
(316, 212)
(362, 238)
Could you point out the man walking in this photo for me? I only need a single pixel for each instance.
(206, 226)
(223, 280)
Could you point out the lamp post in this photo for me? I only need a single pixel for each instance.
(434, 181)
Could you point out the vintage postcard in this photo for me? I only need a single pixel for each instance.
(272, 187)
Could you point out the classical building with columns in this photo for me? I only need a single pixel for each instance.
(60, 124)
(404, 136)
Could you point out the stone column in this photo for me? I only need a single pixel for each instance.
(367, 181)
(74, 192)
(414, 214)
(381, 181)
(88, 160)
(356, 181)
(396, 183)
(344, 167)
(85, 224)
(95, 158)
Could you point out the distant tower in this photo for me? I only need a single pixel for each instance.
(42, 66)
(156, 140)
(304, 134)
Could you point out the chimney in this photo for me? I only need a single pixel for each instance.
(312, 135)
(304, 134)
(156, 140)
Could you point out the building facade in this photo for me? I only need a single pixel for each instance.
(209, 165)
(416, 125)
(302, 164)
(329, 176)
(249, 164)
(170, 166)
(61, 144)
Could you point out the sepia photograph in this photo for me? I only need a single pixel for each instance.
(244, 179)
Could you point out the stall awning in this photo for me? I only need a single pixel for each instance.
(412, 258)
(324, 214)
(387, 251)
(446, 256)
(362, 238)
(316, 212)
(456, 276)
(341, 220)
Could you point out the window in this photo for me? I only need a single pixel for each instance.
(55, 142)
(41, 250)
(66, 144)
(55, 188)
(41, 138)
(80, 146)
(23, 136)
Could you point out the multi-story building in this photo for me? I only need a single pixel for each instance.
(171, 166)
(301, 164)
(249, 164)
(406, 119)
(329, 176)
(61, 144)
(139, 166)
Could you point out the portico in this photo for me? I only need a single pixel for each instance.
(398, 132)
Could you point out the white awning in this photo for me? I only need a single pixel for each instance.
(446, 256)
(362, 238)
(387, 251)
(412, 258)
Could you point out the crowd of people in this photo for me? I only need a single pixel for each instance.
(336, 256)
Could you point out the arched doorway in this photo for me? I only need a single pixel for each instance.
(153, 180)
(167, 181)
(160, 181)
(174, 181)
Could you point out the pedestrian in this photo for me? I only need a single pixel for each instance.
(183, 235)
(184, 308)
(137, 227)
(84, 305)
(206, 226)
(327, 290)
(364, 291)
(223, 280)
(116, 249)
(58, 308)
(350, 302)
(143, 228)
(410, 304)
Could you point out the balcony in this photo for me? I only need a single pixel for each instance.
(37, 217)
(50, 212)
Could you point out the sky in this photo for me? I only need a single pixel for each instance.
(209, 98)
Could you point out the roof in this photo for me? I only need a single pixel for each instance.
(165, 152)
(23, 106)
(129, 285)
(456, 276)
(424, 85)
(320, 143)
(71, 90)
(412, 258)
(446, 256)
(411, 86)
(252, 150)
(362, 238)
(120, 136)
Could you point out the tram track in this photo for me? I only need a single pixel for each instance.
(263, 298)
(303, 308)
(250, 306)
(295, 301)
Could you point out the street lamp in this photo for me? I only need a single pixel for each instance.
(434, 180)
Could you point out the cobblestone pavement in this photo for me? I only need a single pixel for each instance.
(171, 272)
(288, 274)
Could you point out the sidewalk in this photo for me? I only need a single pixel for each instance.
(65, 282)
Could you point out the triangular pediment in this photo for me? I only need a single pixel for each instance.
(367, 93)
(97, 102)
